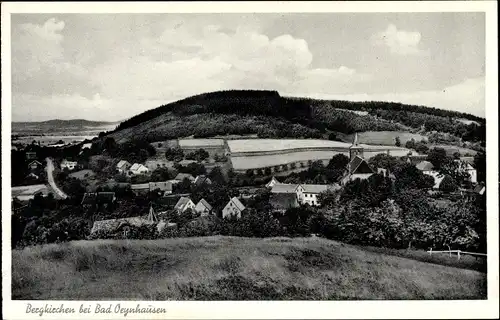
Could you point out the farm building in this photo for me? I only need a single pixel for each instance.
(70, 165)
(272, 183)
(308, 193)
(233, 208)
(286, 188)
(34, 165)
(123, 166)
(283, 201)
(137, 169)
(98, 198)
(183, 204)
(26, 193)
(428, 168)
(203, 207)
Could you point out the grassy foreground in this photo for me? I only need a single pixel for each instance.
(231, 268)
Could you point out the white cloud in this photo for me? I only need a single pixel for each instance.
(467, 96)
(399, 42)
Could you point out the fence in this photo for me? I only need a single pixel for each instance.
(458, 252)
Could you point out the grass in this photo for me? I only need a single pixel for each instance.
(387, 137)
(231, 268)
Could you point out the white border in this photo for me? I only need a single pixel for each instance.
(273, 309)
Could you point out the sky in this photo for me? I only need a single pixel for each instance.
(110, 67)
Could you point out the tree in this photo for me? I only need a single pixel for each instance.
(338, 161)
(480, 165)
(217, 176)
(398, 142)
(448, 184)
(408, 176)
(438, 157)
(410, 144)
(327, 198)
(384, 161)
(267, 171)
(456, 155)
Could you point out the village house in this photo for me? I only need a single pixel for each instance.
(467, 162)
(283, 201)
(140, 188)
(308, 194)
(70, 165)
(201, 180)
(104, 199)
(165, 187)
(138, 169)
(34, 165)
(183, 204)
(271, 183)
(233, 208)
(203, 208)
(428, 168)
(181, 176)
(286, 188)
(122, 166)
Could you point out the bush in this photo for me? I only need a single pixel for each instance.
(448, 184)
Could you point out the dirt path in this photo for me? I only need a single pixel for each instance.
(50, 177)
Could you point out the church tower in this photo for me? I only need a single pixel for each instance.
(355, 149)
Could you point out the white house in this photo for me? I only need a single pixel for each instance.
(272, 183)
(233, 208)
(137, 169)
(428, 168)
(308, 193)
(203, 207)
(183, 204)
(123, 166)
(70, 165)
(469, 168)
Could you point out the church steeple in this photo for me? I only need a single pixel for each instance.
(355, 149)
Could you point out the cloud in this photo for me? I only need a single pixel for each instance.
(399, 42)
(467, 96)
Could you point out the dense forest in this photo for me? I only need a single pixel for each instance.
(267, 114)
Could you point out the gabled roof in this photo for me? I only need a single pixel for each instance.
(202, 179)
(204, 203)
(182, 176)
(182, 202)
(35, 161)
(122, 163)
(284, 188)
(237, 203)
(163, 186)
(425, 166)
(479, 189)
(273, 180)
(314, 188)
(356, 163)
(137, 166)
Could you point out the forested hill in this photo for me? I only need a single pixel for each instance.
(268, 114)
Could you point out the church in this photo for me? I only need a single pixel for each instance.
(358, 167)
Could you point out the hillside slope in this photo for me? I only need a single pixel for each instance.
(269, 115)
(230, 268)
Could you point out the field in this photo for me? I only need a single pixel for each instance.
(452, 149)
(387, 137)
(230, 268)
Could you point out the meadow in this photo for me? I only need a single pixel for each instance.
(231, 268)
(387, 137)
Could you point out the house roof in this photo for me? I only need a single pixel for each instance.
(202, 179)
(163, 186)
(237, 203)
(283, 200)
(182, 202)
(204, 203)
(425, 166)
(139, 186)
(284, 188)
(314, 188)
(182, 176)
(479, 189)
(356, 163)
(271, 181)
(137, 166)
(122, 163)
(34, 161)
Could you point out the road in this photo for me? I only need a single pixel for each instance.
(50, 177)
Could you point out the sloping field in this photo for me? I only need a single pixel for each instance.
(231, 268)
(387, 137)
(201, 143)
